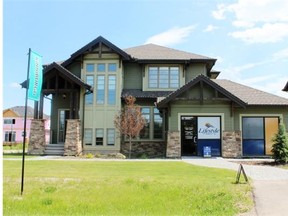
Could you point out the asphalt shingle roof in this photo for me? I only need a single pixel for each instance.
(20, 111)
(156, 52)
(249, 95)
(137, 93)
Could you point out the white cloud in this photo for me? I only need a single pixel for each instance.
(210, 28)
(261, 21)
(268, 33)
(15, 85)
(281, 55)
(172, 36)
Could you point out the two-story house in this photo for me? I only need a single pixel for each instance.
(185, 106)
(13, 124)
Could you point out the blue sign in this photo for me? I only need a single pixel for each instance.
(35, 76)
(207, 151)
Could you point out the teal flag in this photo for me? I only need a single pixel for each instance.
(35, 76)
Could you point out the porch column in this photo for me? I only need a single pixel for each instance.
(173, 145)
(73, 142)
(37, 141)
(41, 106)
(231, 144)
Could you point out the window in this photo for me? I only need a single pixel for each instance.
(10, 136)
(9, 121)
(88, 136)
(89, 97)
(145, 132)
(163, 77)
(90, 68)
(112, 67)
(99, 137)
(101, 67)
(111, 90)
(158, 125)
(110, 137)
(100, 89)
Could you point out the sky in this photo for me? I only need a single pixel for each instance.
(249, 38)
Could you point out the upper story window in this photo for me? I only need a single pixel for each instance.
(90, 68)
(9, 121)
(89, 97)
(112, 67)
(163, 77)
(101, 67)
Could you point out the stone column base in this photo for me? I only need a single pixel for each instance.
(231, 144)
(173, 149)
(37, 141)
(73, 143)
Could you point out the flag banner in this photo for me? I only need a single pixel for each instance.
(35, 76)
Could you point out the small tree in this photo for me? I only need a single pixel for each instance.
(130, 121)
(280, 146)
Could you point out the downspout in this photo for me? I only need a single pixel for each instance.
(90, 91)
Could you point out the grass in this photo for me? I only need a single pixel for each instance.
(121, 188)
(15, 146)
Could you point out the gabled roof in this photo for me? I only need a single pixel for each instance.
(251, 96)
(193, 82)
(238, 93)
(66, 73)
(156, 52)
(91, 45)
(20, 111)
(286, 87)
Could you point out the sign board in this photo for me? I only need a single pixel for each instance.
(209, 127)
(206, 151)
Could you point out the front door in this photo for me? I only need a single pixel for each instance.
(188, 135)
(62, 117)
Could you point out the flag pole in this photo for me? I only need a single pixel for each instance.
(25, 120)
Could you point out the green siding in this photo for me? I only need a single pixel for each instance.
(193, 70)
(132, 76)
(75, 68)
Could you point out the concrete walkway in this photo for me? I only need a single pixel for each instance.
(270, 184)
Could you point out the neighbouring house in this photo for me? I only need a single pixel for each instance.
(186, 107)
(13, 124)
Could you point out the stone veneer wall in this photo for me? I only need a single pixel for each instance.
(73, 144)
(37, 137)
(231, 144)
(173, 145)
(148, 148)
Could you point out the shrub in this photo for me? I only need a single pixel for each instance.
(280, 146)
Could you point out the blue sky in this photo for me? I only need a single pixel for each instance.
(249, 38)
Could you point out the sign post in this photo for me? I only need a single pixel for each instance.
(33, 90)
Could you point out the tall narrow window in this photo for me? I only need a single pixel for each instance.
(89, 97)
(110, 137)
(111, 89)
(158, 125)
(100, 95)
(99, 137)
(88, 136)
(10, 136)
(145, 132)
(163, 77)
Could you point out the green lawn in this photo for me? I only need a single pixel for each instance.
(121, 188)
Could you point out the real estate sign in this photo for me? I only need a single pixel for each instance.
(209, 128)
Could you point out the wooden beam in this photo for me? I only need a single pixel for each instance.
(201, 92)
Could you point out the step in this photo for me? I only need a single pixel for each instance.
(54, 149)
